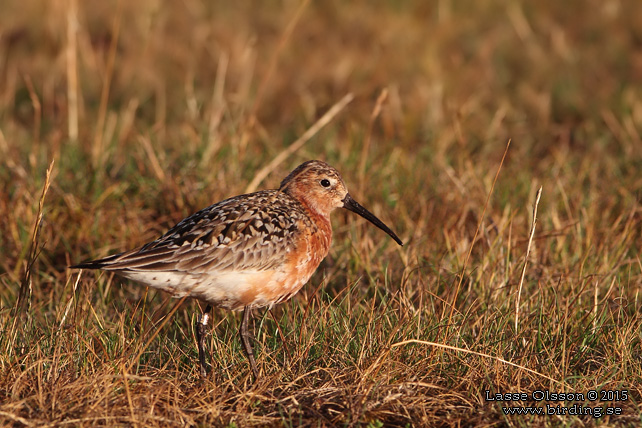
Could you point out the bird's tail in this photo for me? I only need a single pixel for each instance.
(103, 263)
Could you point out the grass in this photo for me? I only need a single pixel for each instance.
(153, 111)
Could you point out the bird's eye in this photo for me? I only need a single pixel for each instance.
(325, 182)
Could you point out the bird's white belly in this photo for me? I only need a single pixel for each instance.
(230, 290)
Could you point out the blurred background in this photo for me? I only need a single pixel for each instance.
(460, 75)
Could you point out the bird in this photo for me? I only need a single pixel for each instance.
(247, 252)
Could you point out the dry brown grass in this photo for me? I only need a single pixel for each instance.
(180, 105)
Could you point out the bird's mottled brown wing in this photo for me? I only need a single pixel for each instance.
(247, 232)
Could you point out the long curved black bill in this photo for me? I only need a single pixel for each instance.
(352, 205)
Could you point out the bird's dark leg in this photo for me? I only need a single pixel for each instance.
(201, 327)
(245, 339)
